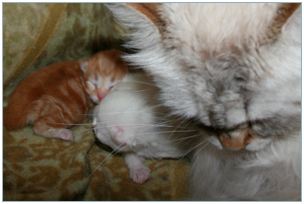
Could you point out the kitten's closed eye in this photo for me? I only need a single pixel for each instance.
(92, 85)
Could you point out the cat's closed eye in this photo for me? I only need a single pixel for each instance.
(92, 85)
(99, 70)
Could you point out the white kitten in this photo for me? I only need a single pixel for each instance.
(129, 120)
(235, 70)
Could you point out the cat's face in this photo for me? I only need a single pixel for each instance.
(235, 76)
(102, 73)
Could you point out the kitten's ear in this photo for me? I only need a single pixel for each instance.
(83, 65)
(130, 13)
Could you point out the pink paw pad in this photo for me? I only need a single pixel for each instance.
(65, 134)
(140, 175)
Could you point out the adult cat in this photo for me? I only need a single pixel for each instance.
(235, 71)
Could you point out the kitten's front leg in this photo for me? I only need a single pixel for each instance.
(44, 127)
(139, 173)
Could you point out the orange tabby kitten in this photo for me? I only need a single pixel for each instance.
(57, 96)
(102, 72)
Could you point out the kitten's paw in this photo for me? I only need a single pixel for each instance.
(140, 175)
(65, 134)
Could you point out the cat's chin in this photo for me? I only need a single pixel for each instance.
(258, 144)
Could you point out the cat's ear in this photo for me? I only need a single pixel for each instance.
(286, 25)
(83, 65)
(131, 13)
(294, 18)
(148, 10)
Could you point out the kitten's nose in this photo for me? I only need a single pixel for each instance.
(101, 96)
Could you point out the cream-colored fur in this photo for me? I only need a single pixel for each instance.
(234, 69)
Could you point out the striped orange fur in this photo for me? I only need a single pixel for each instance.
(106, 69)
(51, 99)
(57, 96)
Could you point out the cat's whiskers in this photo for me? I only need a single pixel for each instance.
(187, 141)
(85, 132)
(71, 124)
(204, 143)
(191, 149)
(173, 131)
(139, 91)
(137, 125)
(119, 112)
(140, 82)
(178, 126)
(184, 138)
(110, 154)
(132, 124)
(105, 18)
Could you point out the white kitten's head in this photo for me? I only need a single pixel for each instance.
(233, 69)
(102, 72)
(124, 120)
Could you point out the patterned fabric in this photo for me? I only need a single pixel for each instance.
(37, 168)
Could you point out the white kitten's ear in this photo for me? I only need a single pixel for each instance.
(83, 66)
(130, 13)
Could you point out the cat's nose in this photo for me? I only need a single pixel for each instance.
(235, 140)
(231, 144)
(102, 93)
(101, 96)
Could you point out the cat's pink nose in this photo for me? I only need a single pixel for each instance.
(101, 96)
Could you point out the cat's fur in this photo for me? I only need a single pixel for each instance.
(130, 120)
(57, 96)
(106, 69)
(235, 71)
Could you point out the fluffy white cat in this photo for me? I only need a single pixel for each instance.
(235, 71)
